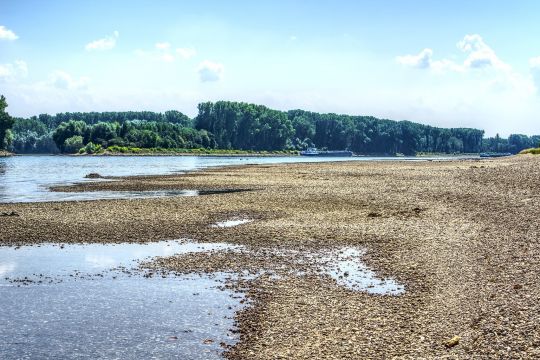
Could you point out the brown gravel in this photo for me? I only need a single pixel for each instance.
(461, 235)
(4, 153)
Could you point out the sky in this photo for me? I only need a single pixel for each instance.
(450, 64)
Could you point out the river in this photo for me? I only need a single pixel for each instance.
(28, 178)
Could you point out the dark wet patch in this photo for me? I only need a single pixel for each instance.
(93, 176)
(223, 191)
(12, 213)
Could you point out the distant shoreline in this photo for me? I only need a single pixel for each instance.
(166, 154)
(242, 154)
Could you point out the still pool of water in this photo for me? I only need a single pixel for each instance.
(231, 223)
(346, 267)
(79, 301)
(28, 178)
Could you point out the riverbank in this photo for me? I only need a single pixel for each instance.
(134, 151)
(4, 153)
(532, 151)
(457, 234)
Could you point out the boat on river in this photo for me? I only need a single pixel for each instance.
(331, 153)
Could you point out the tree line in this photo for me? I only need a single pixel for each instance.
(73, 135)
(513, 144)
(242, 126)
(69, 132)
(256, 127)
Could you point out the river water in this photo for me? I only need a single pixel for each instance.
(28, 178)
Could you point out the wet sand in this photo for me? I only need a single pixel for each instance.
(462, 236)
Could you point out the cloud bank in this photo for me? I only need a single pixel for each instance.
(479, 56)
(106, 43)
(480, 86)
(11, 71)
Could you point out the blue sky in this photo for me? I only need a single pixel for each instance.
(452, 64)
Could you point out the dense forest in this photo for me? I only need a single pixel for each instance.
(6, 122)
(70, 132)
(241, 126)
(514, 144)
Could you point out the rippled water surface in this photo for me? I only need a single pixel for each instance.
(27, 178)
(82, 301)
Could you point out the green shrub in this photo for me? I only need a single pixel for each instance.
(534, 151)
(73, 144)
(92, 148)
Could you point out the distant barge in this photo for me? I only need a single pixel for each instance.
(335, 153)
(494, 155)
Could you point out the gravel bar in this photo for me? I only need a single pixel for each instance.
(461, 236)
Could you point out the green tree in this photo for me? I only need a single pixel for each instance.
(6, 122)
(73, 144)
(67, 130)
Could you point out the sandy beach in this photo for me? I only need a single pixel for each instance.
(461, 236)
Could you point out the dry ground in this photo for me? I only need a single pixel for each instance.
(461, 235)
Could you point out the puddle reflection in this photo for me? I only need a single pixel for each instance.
(63, 301)
(347, 268)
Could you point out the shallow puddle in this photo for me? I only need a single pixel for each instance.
(231, 223)
(347, 268)
(103, 195)
(84, 301)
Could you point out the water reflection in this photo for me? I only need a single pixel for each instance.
(61, 260)
(3, 188)
(7, 268)
(63, 301)
(346, 267)
(231, 223)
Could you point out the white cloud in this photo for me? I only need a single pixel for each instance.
(164, 49)
(480, 54)
(9, 71)
(59, 92)
(534, 63)
(164, 52)
(6, 34)
(167, 57)
(163, 45)
(186, 53)
(424, 60)
(106, 43)
(420, 61)
(62, 80)
(210, 71)
(445, 64)
(480, 89)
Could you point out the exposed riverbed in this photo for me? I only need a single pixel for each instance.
(350, 260)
